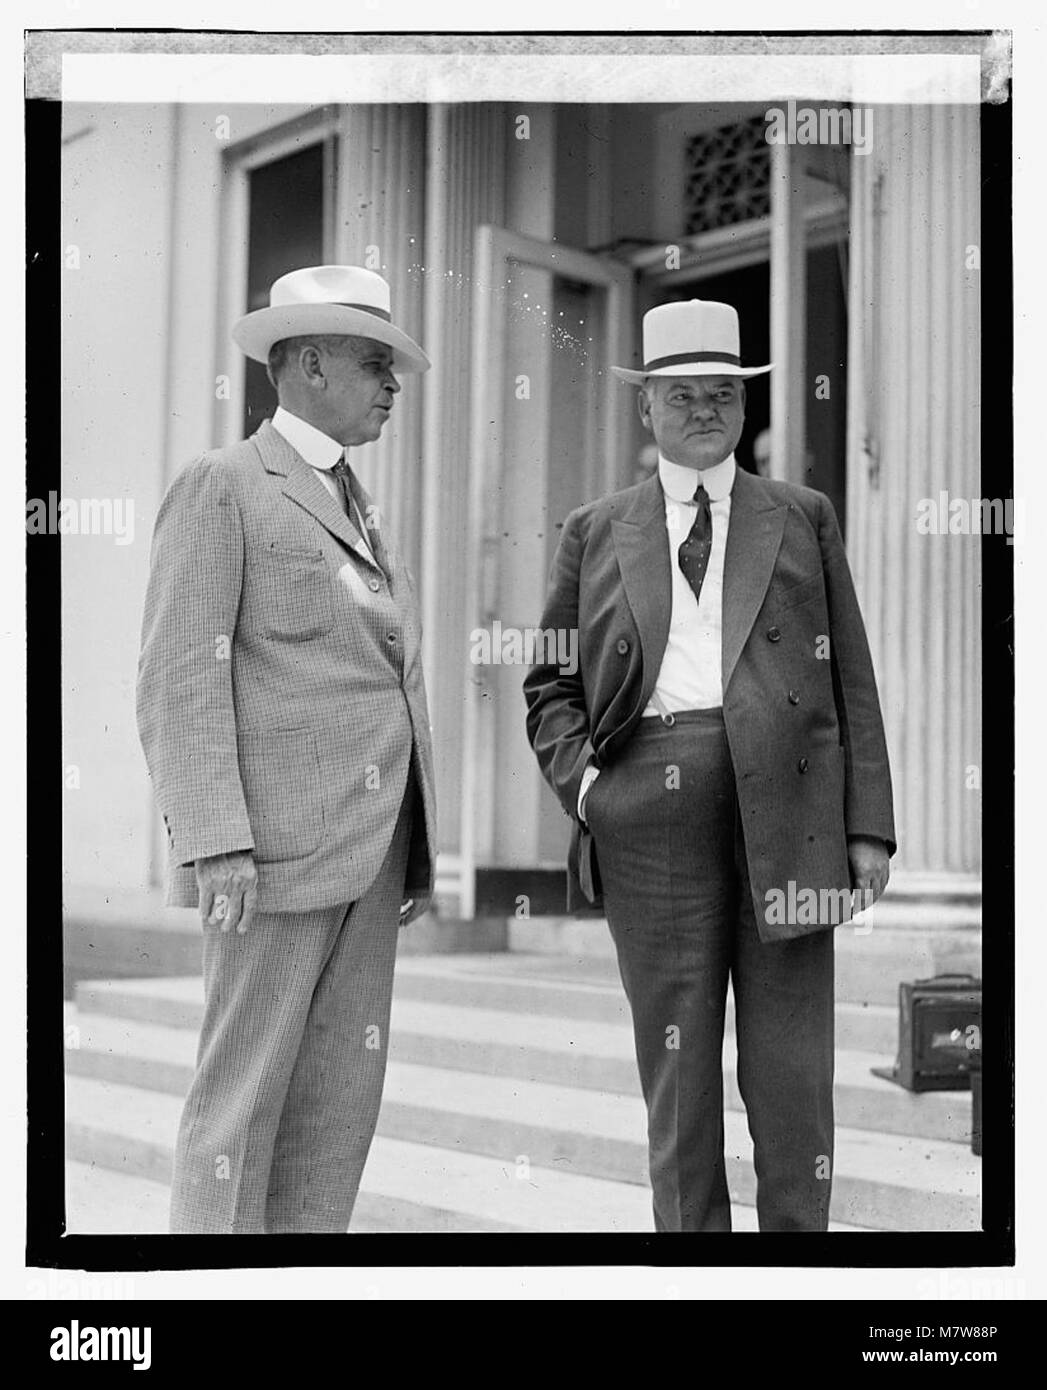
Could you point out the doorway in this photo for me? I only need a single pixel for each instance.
(548, 432)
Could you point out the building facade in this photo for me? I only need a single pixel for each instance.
(523, 243)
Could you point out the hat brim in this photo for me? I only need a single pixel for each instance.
(256, 332)
(690, 369)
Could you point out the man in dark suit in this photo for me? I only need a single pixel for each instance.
(721, 751)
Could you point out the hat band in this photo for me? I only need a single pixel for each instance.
(366, 308)
(681, 357)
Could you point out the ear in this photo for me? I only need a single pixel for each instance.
(310, 364)
(643, 405)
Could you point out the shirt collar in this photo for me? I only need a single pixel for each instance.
(679, 482)
(317, 448)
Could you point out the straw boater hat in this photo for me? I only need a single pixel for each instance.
(697, 337)
(339, 299)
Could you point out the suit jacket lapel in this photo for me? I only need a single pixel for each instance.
(642, 548)
(302, 486)
(754, 537)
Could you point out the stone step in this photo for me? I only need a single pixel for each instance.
(872, 956)
(100, 1201)
(132, 934)
(893, 1182)
(587, 990)
(888, 1182)
(923, 929)
(583, 1054)
(406, 1187)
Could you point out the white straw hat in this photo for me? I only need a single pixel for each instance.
(338, 299)
(695, 337)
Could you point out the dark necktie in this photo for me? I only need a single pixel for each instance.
(694, 553)
(351, 491)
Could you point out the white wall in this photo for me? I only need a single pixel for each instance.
(116, 214)
(141, 205)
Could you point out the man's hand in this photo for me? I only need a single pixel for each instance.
(228, 890)
(870, 868)
(414, 907)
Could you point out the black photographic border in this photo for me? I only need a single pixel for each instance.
(47, 1245)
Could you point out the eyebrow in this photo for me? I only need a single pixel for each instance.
(371, 350)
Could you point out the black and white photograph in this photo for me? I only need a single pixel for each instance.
(529, 569)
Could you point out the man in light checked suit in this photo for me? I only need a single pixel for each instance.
(282, 710)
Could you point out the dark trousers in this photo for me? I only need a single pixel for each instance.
(667, 830)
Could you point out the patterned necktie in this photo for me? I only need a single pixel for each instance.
(352, 493)
(694, 553)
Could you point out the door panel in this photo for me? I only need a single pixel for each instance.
(549, 431)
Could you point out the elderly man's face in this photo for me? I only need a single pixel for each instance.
(696, 420)
(360, 389)
(343, 386)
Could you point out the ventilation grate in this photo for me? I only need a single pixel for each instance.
(728, 175)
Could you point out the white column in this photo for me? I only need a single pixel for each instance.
(913, 433)
(788, 314)
(379, 223)
(465, 187)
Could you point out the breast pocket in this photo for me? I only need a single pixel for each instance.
(293, 594)
(796, 594)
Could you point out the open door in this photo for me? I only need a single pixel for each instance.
(810, 187)
(548, 431)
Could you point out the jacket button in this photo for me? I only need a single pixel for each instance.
(794, 699)
(390, 637)
(622, 646)
(374, 585)
(773, 635)
(801, 766)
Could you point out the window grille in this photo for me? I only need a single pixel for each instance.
(728, 175)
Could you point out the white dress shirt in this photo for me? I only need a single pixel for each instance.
(691, 676)
(691, 673)
(321, 453)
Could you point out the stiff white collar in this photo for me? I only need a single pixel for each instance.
(679, 482)
(317, 448)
